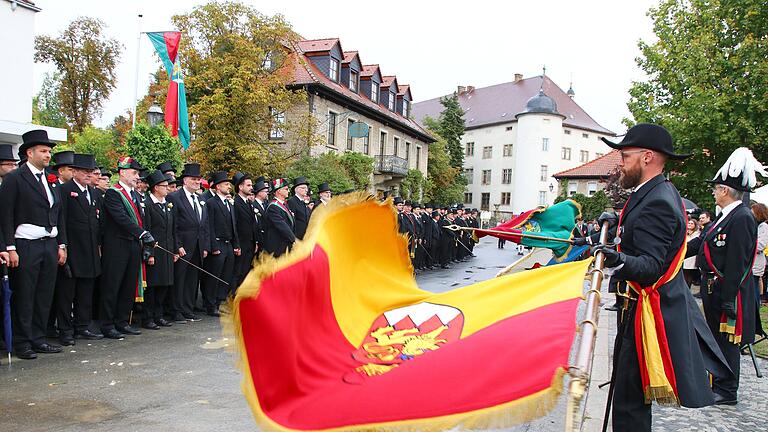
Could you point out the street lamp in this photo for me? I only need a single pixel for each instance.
(155, 115)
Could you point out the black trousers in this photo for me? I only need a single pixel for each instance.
(726, 387)
(630, 412)
(32, 285)
(73, 299)
(243, 265)
(221, 265)
(154, 298)
(119, 275)
(185, 283)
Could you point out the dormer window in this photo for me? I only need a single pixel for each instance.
(406, 108)
(334, 72)
(391, 101)
(267, 62)
(374, 92)
(353, 80)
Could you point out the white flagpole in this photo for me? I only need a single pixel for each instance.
(136, 77)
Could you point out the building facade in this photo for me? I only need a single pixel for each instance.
(518, 134)
(359, 109)
(590, 177)
(17, 31)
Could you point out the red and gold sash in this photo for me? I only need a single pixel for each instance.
(141, 282)
(657, 372)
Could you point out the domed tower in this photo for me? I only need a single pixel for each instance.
(537, 152)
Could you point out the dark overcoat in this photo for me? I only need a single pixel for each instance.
(163, 229)
(82, 225)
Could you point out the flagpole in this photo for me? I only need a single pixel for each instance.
(530, 236)
(136, 77)
(581, 369)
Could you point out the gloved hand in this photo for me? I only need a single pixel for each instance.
(147, 239)
(613, 258)
(579, 241)
(729, 309)
(611, 218)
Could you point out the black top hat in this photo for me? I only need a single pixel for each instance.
(63, 159)
(648, 136)
(191, 170)
(219, 177)
(239, 177)
(143, 174)
(298, 181)
(408, 203)
(33, 138)
(166, 166)
(156, 177)
(6, 153)
(260, 179)
(397, 200)
(128, 162)
(84, 161)
(260, 186)
(279, 183)
(178, 182)
(323, 187)
(416, 205)
(105, 173)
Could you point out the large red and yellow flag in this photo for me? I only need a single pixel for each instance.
(337, 335)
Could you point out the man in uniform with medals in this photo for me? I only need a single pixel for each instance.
(279, 236)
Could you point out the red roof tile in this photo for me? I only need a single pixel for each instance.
(349, 55)
(598, 168)
(386, 81)
(369, 70)
(501, 102)
(317, 45)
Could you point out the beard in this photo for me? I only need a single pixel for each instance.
(630, 177)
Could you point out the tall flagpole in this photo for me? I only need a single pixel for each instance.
(136, 77)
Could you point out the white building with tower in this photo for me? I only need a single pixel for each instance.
(518, 134)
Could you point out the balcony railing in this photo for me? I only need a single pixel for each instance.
(390, 164)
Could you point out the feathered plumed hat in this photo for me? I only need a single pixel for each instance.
(740, 171)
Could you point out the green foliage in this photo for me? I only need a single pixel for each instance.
(98, 142)
(412, 186)
(86, 60)
(451, 127)
(707, 84)
(445, 184)
(327, 167)
(152, 145)
(359, 168)
(591, 207)
(46, 106)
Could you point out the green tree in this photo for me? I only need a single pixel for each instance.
(86, 60)
(412, 186)
(46, 106)
(450, 125)
(327, 167)
(445, 184)
(152, 145)
(98, 142)
(707, 76)
(237, 75)
(359, 168)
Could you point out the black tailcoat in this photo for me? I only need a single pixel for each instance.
(191, 233)
(82, 226)
(278, 233)
(301, 214)
(162, 228)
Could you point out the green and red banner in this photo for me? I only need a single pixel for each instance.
(176, 117)
(337, 335)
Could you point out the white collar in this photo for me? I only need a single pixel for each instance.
(155, 199)
(223, 198)
(34, 169)
(727, 209)
(125, 186)
(637, 188)
(82, 188)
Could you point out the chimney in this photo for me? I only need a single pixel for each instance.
(518, 77)
(461, 90)
(470, 89)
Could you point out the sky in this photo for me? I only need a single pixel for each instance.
(434, 46)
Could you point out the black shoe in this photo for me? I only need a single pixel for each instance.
(113, 334)
(26, 354)
(163, 323)
(129, 330)
(89, 335)
(198, 309)
(46, 348)
(66, 340)
(722, 400)
(213, 313)
(191, 317)
(151, 326)
(179, 319)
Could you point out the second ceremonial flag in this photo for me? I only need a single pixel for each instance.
(176, 117)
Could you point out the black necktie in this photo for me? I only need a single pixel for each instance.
(42, 186)
(196, 207)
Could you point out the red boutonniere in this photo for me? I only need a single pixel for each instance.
(74, 194)
(51, 178)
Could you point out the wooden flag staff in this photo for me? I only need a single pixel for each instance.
(530, 236)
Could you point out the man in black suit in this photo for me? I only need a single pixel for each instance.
(125, 232)
(8, 161)
(35, 241)
(298, 205)
(653, 238)
(260, 202)
(62, 166)
(581, 229)
(75, 285)
(192, 229)
(247, 225)
(726, 250)
(323, 194)
(279, 221)
(159, 213)
(225, 245)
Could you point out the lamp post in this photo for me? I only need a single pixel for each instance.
(155, 115)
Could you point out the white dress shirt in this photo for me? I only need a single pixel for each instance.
(30, 231)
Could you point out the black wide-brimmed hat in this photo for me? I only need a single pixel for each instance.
(397, 200)
(84, 161)
(260, 186)
(156, 177)
(63, 159)
(105, 173)
(167, 166)
(323, 187)
(219, 177)
(191, 170)
(34, 138)
(648, 136)
(239, 177)
(279, 183)
(6, 153)
(128, 162)
(298, 181)
(143, 174)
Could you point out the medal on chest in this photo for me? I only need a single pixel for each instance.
(720, 239)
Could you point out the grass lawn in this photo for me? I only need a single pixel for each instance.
(761, 349)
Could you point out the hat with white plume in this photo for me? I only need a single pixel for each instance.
(740, 171)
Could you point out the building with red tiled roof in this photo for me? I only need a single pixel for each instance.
(517, 134)
(590, 177)
(359, 110)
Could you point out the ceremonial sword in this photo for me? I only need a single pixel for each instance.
(531, 236)
(188, 262)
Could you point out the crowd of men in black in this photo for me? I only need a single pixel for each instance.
(88, 259)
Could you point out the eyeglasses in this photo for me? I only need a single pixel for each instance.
(624, 153)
